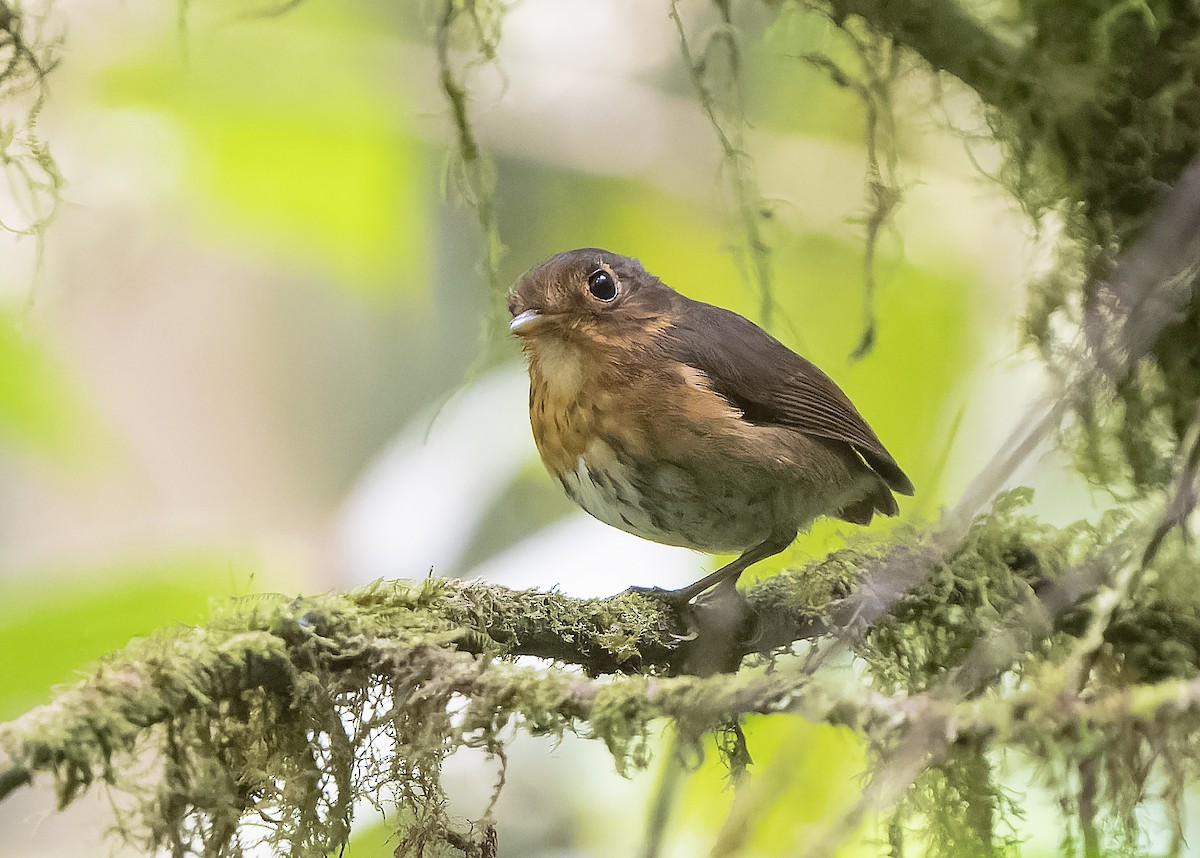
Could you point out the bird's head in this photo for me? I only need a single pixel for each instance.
(588, 293)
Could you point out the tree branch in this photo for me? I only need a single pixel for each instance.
(947, 37)
(351, 639)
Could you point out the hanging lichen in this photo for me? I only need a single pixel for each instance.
(29, 175)
(880, 66)
(716, 72)
(467, 36)
(1100, 116)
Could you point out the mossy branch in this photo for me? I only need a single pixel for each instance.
(261, 643)
(946, 37)
(290, 709)
(1096, 107)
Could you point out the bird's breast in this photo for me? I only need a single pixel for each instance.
(608, 489)
(664, 501)
(560, 412)
(658, 454)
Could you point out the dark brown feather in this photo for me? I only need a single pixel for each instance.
(771, 384)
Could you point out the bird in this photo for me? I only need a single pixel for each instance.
(685, 423)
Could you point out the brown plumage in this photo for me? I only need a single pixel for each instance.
(683, 422)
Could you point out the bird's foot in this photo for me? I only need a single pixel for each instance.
(677, 599)
(725, 623)
(719, 625)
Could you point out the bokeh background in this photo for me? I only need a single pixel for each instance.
(247, 356)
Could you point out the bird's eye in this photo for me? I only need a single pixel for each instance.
(602, 285)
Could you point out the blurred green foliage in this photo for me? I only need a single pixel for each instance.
(294, 143)
(49, 634)
(804, 775)
(377, 840)
(42, 408)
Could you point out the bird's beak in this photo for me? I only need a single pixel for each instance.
(524, 322)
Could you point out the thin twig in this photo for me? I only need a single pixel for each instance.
(474, 172)
(730, 133)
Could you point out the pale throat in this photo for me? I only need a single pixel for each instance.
(560, 366)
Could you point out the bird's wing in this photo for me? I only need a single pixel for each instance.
(771, 384)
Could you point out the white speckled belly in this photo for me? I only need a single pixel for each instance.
(664, 503)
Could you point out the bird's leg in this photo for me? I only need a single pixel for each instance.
(727, 574)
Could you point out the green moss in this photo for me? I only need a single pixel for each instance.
(290, 710)
(1102, 115)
